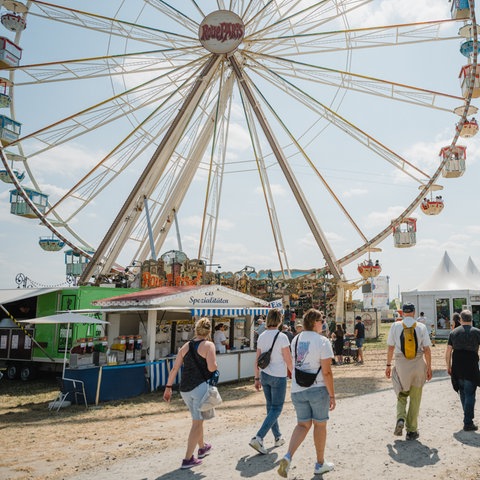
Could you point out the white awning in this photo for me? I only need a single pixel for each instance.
(15, 294)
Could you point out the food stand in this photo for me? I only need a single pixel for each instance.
(164, 319)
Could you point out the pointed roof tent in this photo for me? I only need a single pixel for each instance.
(200, 300)
(472, 272)
(448, 277)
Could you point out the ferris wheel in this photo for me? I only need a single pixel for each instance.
(273, 114)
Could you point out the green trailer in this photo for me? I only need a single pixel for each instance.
(25, 351)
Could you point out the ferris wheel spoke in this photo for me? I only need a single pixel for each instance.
(105, 66)
(109, 110)
(305, 19)
(348, 127)
(355, 82)
(293, 43)
(295, 141)
(175, 14)
(267, 191)
(123, 154)
(109, 26)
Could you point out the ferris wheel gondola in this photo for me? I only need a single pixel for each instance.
(213, 96)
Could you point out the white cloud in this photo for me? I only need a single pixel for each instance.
(355, 192)
(386, 12)
(381, 219)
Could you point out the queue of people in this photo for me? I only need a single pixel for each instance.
(307, 359)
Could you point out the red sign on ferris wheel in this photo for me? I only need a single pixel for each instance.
(221, 31)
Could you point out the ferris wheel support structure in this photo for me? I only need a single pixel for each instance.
(180, 187)
(108, 250)
(287, 171)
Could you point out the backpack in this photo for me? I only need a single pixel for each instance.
(409, 341)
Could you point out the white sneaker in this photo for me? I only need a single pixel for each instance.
(283, 467)
(326, 467)
(257, 444)
(279, 441)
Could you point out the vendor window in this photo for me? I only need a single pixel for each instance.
(459, 304)
(443, 313)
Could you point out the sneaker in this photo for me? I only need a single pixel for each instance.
(279, 441)
(399, 427)
(412, 435)
(203, 452)
(283, 467)
(323, 468)
(257, 444)
(192, 462)
(470, 428)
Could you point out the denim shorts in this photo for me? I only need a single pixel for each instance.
(359, 342)
(312, 404)
(193, 399)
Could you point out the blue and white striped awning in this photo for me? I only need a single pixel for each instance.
(229, 312)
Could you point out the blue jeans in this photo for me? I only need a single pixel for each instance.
(274, 389)
(467, 390)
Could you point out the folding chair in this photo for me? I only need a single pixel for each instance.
(77, 391)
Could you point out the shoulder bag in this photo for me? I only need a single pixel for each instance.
(264, 358)
(304, 379)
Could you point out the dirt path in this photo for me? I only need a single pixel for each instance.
(145, 438)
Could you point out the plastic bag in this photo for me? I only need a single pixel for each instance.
(211, 399)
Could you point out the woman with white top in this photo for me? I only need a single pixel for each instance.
(273, 378)
(219, 338)
(312, 353)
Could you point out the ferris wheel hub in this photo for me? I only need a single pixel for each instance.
(221, 31)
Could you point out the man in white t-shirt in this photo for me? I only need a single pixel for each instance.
(430, 324)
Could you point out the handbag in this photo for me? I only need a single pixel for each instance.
(211, 399)
(304, 379)
(264, 358)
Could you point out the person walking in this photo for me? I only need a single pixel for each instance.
(312, 353)
(272, 379)
(430, 324)
(461, 358)
(409, 342)
(199, 363)
(359, 333)
(338, 341)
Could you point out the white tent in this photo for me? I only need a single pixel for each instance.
(472, 272)
(448, 277)
(446, 291)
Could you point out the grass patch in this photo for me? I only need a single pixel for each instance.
(380, 342)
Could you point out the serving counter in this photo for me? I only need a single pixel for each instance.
(116, 382)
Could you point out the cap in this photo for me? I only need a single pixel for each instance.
(408, 308)
(358, 317)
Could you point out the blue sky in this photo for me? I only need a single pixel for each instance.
(373, 192)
